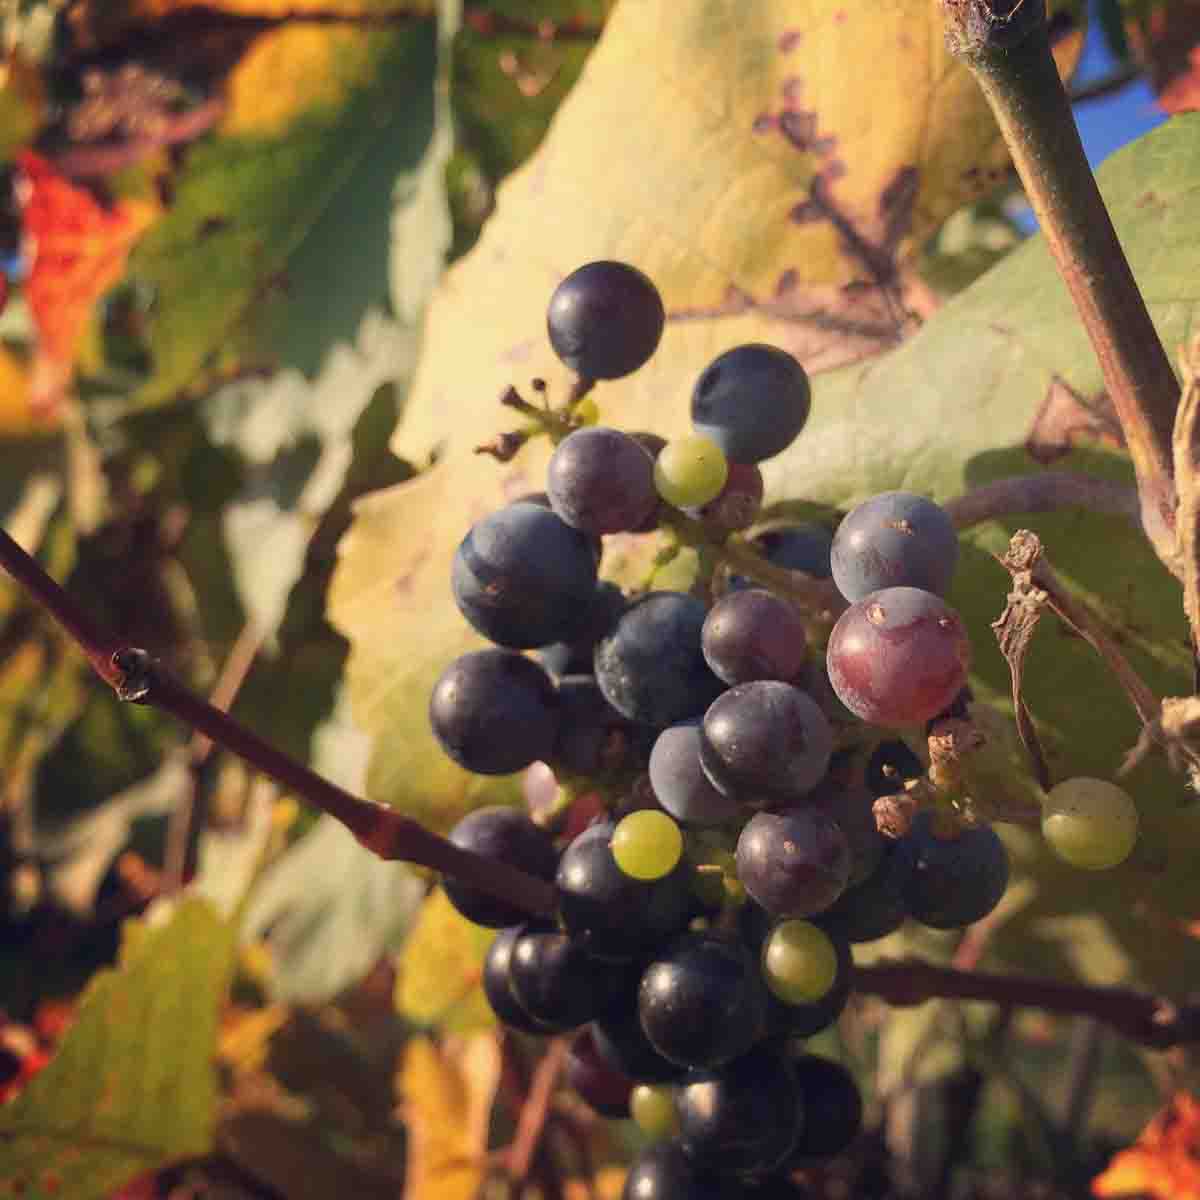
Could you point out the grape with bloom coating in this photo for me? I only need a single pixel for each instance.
(690, 471)
(1089, 823)
(647, 844)
(605, 319)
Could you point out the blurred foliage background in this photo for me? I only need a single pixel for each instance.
(265, 279)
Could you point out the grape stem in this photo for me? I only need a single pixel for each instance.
(138, 678)
(1006, 46)
(1149, 1020)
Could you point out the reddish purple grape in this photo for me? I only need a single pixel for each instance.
(898, 657)
(752, 634)
(738, 502)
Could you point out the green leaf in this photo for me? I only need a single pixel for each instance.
(132, 1086)
(276, 242)
(953, 408)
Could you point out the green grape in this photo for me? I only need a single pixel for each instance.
(587, 411)
(1089, 823)
(690, 471)
(799, 962)
(647, 844)
(652, 1107)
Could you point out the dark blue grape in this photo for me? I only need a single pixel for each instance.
(505, 835)
(605, 320)
(614, 915)
(650, 666)
(752, 634)
(664, 1172)
(793, 863)
(497, 983)
(765, 740)
(702, 1002)
(954, 881)
(891, 765)
(875, 907)
(523, 577)
(557, 982)
(575, 657)
(601, 480)
(593, 737)
(494, 712)
(752, 401)
(895, 539)
(744, 1117)
(833, 1109)
(622, 1042)
(804, 547)
(679, 782)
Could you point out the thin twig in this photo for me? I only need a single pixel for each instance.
(1146, 1019)
(535, 1109)
(137, 677)
(1050, 491)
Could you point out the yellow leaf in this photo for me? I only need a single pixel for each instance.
(285, 72)
(441, 969)
(1165, 1162)
(446, 1094)
(18, 415)
(737, 154)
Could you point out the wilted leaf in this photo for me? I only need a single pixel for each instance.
(441, 969)
(446, 1091)
(1165, 1163)
(77, 251)
(710, 144)
(131, 1086)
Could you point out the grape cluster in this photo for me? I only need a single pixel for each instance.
(705, 920)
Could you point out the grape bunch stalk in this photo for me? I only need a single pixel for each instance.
(705, 916)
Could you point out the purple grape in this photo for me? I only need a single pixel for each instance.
(898, 657)
(505, 835)
(765, 740)
(737, 504)
(523, 577)
(598, 1083)
(895, 539)
(605, 320)
(601, 481)
(650, 666)
(494, 712)
(751, 635)
(793, 863)
(845, 798)
(557, 982)
(679, 782)
(752, 401)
